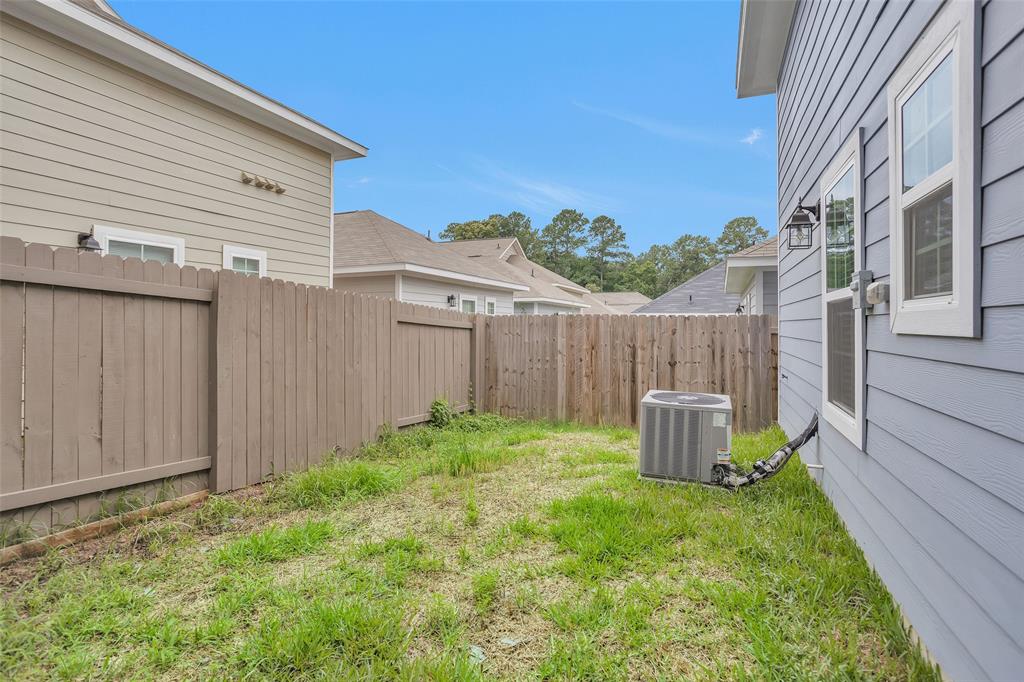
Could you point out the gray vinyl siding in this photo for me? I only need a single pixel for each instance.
(936, 499)
(770, 292)
(435, 294)
(87, 141)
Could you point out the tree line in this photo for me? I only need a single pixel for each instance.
(593, 252)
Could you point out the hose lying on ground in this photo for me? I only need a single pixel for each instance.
(729, 476)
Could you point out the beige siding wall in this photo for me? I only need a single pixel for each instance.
(86, 141)
(435, 294)
(548, 309)
(374, 285)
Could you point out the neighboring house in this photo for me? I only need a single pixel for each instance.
(703, 294)
(622, 302)
(902, 125)
(112, 139)
(546, 293)
(375, 255)
(753, 273)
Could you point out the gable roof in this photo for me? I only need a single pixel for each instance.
(703, 294)
(769, 247)
(92, 24)
(742, 266)
(504, 256)
(367, 242)
(475, 248)
(622, 297)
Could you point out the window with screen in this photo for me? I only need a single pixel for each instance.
(245, 260)
(468, 305)
(842, 326)
(161, 254)
(933, 141)
(147, 246)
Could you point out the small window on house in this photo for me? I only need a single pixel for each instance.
(523, 308)
(933, 139)
(117, 241)
(467, 304)
(490, 306)
(842, 333)
(245, 261)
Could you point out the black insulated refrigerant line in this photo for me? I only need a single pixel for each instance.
(728, 475)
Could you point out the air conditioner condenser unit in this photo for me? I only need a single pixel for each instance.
(683, 436)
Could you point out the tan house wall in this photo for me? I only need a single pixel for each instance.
(86, 141)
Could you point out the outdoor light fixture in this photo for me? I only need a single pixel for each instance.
(451, 300)
(87, 242)
(801, 226)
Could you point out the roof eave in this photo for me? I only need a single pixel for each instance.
(764, 31)
(427, 272)
(114, 41)
(739, 271)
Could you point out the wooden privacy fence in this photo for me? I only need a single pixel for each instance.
(104, 381)
(304, 370)
(124, 377)
(150, 379)
(595, 368)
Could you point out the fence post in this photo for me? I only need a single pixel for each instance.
(220, 385)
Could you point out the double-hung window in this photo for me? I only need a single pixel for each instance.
(490, 305)
(842, 333)
(467, 304)
(245, 261)
(117, 241)
(933, 197)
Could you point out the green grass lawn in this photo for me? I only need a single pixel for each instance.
(488, 549)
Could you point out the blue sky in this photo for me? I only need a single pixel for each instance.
(477, 108)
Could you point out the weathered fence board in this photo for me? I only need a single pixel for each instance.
(596, 368)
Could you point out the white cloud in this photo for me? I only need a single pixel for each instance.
(654, 126)
(537, 194)
(755, 135)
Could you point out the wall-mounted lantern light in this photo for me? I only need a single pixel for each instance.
(800, 227)
(451, 300)
(86, 242)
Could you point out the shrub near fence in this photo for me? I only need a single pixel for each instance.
(122, 377)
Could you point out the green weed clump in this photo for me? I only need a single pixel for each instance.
(335, 481)
(606, 534)
(441, 414)
(276, 544)
(353, 637)
(485, 591)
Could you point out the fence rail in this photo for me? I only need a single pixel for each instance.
(122, 377)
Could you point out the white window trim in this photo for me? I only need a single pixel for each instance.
(231, 250)
(466, 297)
(104, 234)
(849, 156)
(953, 31)
(491, 300)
